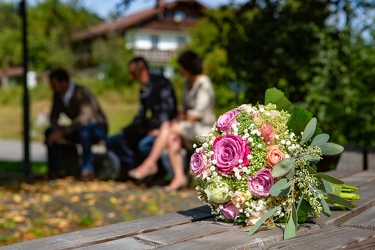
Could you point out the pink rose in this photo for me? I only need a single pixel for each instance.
(226, 120)
(267, 132)
(256, 118)
(230, 211)
(230, 151)
(198, 163)
(274, 155)
(261, 183)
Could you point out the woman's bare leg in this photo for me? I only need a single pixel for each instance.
(149, 165)
(174, 152)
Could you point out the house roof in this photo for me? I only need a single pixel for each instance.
(129, 21)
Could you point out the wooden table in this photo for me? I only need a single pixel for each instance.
(196, 228)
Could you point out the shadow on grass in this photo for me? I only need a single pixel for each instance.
(11, 170)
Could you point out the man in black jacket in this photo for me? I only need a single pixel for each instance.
(157, 97)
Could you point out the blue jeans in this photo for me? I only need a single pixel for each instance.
(85, 135)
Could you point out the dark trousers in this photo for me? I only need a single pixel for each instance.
(86, 136)
(130, 153)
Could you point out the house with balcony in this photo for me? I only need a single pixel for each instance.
(156, 33)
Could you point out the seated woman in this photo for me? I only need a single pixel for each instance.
(196, 118)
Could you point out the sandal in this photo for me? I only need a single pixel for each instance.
(139, 176)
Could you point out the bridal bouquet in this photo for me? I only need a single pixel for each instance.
(257, 167)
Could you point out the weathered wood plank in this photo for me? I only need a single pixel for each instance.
(371, 160)
(168, 236)
(115, 231)
(364, 220)
(350, 160)
(361, 178)
(328, 238)
(126, 243)
(237, 239)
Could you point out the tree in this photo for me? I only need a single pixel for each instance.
(52, 23)
(295, 46)
(10, 41)
(113, 65)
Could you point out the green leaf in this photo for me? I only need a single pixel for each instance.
(283, 167)
(337, 199)
(326, 211)
(298, 120)
(329, 178)
(327, 186)
(311, 170)
(275, 96)
(290, 230)
(319, 140)
(262, 220)
(290, 174)
(302, 209)
(308, 131)
(312, 159)
(331, 148)
(281, 188)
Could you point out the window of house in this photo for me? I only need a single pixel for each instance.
(192, 17)
(168, 14)
(179, 16)
(154, 42)
(181, 40)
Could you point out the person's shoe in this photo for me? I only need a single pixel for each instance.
(176, 185)
(46, 177)
(139, 176)
(87, 176)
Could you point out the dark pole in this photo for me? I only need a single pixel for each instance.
(26, 111)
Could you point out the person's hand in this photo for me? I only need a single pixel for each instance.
(181, 115)
(55, 136)
(154, 132)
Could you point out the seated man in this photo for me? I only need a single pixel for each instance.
(157, 105)
(88, 126)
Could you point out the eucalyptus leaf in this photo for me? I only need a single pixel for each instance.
(326, 211)
(341, 201)
(281, 188)
(327, 186)
(319, 140)
(309, 131)
(262, 220)
(311, 169)
(283, 167)
(312, 158)
(290, 174)
(290, 230)
(329, 178)
(331, 148)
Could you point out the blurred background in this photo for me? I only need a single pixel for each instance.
(321, 54)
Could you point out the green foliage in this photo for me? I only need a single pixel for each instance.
(289, 45)
(50, 24)
(113, 65)
(277, 97)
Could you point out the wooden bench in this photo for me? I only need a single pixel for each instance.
(197, 229)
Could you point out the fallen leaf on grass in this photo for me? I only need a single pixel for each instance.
(75, 199)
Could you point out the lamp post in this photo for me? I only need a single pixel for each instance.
(26, 108)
